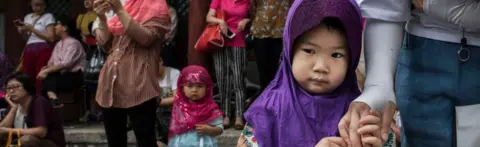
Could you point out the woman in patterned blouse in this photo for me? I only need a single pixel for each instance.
(267, 28)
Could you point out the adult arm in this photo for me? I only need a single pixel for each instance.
(383, 36)
(21, 30)
(69, 59)
(48, 36)
(381, 61)
(39, 119)
(39, 132)
(463, 13)
(147, 33)
(174, 74)
(100, 30)
(167, 102)
(8, 120)
(212, 19)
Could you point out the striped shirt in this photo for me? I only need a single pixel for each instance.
(130, 74)
(70, 53)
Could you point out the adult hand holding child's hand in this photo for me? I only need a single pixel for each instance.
(357, 114)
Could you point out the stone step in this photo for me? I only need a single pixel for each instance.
(94, 136)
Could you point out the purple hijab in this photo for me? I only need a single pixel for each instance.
(284, 115)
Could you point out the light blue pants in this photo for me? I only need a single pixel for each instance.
(430, 82)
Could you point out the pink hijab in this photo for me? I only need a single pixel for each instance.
(141, 11)
(185, 115)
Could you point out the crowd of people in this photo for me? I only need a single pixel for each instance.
(309, 58)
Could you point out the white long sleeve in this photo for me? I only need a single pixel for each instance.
(460, 12)
(382, 43)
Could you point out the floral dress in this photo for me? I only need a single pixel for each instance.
(247, 139)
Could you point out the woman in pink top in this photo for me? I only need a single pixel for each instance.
(64, 71)
(233, 56)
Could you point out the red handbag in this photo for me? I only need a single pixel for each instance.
(211, 38)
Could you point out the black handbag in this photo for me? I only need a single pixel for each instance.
(94, 65)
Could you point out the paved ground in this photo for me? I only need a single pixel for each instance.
(94, 136)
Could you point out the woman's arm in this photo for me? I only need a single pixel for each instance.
(8, 120)
(463, 13)
(381, 60)
(167, 102)
(21, 31)
(49, 36)
(39, 132)
(212, 19)
(143, 34)
(73, 54)
(102, 34)
(149, 32)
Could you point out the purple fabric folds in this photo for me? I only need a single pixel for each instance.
(284, 115)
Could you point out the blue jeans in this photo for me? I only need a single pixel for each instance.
(429, 83)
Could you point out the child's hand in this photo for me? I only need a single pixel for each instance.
(331, 142)
(370, 129)
(203, 129)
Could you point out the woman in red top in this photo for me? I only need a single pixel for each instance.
(233, 56)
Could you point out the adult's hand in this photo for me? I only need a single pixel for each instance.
(8, 98)
(387, 118)
(223, 27)
(350, 123)
(418, 4)
(101, 7)
(115, 5)
(242, 25)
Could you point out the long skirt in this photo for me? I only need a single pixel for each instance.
(36, 56)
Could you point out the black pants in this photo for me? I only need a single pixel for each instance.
(162, 124)
(58, 82)
(142, 118)
(267, 52)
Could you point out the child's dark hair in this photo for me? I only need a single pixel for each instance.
(26, 81)
(70, 24)
(333, 24)
(329, 23)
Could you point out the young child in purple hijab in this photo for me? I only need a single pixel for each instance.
(315, 83)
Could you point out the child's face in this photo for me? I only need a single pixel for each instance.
(194, 91)
(320, 60)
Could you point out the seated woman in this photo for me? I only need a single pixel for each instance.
(64, 70)
(33, 116)
(168, 83)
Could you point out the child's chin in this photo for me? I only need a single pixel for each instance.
(318, 90)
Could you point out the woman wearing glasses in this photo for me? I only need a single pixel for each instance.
(34, 117)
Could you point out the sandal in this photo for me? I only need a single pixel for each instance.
(226, 122)
(57, 103)
(239, 123)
